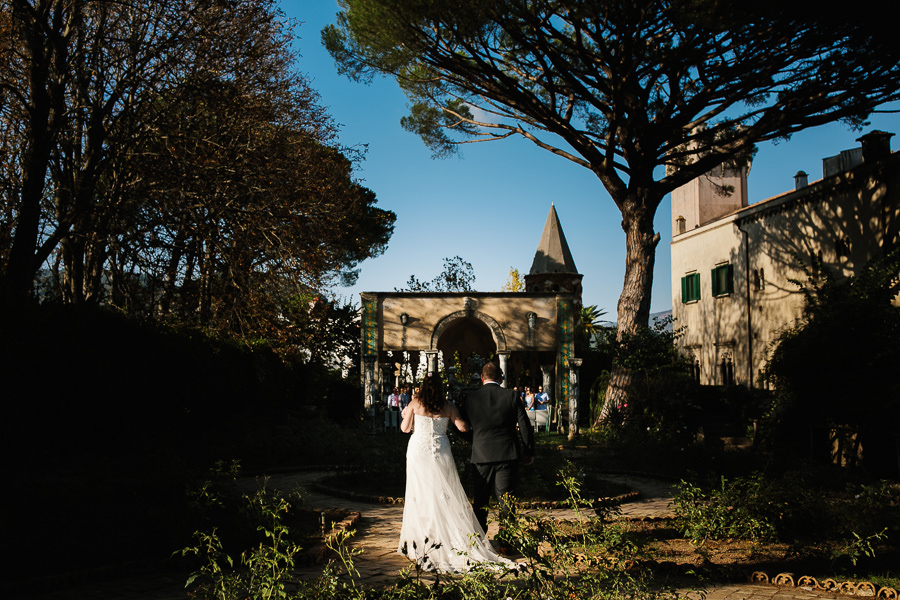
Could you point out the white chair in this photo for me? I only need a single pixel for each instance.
(540, 419)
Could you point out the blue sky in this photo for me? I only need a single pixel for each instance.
(489, 206)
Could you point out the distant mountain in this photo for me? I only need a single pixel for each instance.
(653, 317)
(659, 316)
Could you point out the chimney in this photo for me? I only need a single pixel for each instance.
(876, 145)
(801, 179)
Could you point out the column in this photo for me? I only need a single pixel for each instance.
(387, 382)
(369, 382)
(574, 365)
(414, 361)
(431, 358)
(503, 357)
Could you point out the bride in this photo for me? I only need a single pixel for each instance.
(439, 531)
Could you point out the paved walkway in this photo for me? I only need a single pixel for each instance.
(379, 563)
(379, 524)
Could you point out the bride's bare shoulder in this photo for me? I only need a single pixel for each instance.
(419, 409)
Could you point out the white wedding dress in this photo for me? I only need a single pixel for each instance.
(440, 531)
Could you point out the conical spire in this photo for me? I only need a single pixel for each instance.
(553, 255)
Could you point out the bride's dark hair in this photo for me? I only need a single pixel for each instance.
(431, 394)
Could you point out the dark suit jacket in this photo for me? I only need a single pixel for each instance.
(493, 413)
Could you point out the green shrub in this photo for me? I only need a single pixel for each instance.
(836, 523)
(266, 567)
(835, 368)
(116, 415)
(739, 509)
(663, 405)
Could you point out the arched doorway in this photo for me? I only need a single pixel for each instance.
(470, 338)
(529, 334)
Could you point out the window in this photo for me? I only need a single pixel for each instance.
(726, 370)
(680, 225)
(723, 280)
(695, 370)
(690, 287)
(759, 280)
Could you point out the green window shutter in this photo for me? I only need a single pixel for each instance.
(723, 280)
(690, 287)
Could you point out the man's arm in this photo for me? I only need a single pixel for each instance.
(464, 415)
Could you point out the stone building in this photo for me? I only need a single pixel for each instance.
(529, 334)
(735, 266)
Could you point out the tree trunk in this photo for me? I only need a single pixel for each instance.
(633, 311)
(205, 293)
(72, 249)
(170, 276)
(44, 28)
(22, 264)
(96, 256)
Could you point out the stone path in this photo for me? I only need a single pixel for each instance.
(376, 535)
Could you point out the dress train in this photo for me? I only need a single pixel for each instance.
(440, 531)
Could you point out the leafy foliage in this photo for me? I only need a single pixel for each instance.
(514, 283)
(170, 159)
(117, 454)
(266, 566)
(585, 562)
(790, 509)
(849, 327)
(589, 331)
(268, 233)
(457, 276)
(741, 509)
(663, 403)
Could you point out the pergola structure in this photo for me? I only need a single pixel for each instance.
(529, 334)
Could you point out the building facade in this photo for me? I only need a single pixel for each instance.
(736, 268)
(529, 334)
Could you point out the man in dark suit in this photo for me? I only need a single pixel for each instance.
(493, 413)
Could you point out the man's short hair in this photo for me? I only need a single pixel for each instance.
(491, 371)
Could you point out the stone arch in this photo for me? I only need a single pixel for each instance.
(449, 320)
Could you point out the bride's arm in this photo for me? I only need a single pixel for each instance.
(457, 419)
(409, 417)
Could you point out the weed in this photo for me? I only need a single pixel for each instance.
(739, 509)
(265, 568)
(857, 546)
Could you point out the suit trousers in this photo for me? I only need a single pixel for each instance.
(495, 479)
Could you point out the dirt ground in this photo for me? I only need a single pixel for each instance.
(736, 560)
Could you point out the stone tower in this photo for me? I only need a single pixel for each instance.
(553, 269)
(721, 191)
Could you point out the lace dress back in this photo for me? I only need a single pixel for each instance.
(439, 529)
